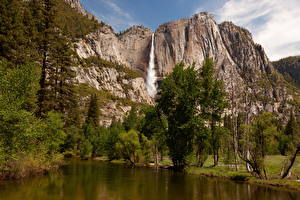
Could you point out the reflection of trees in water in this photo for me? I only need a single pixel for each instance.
(91, 180)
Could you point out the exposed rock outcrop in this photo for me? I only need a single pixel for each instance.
(251, 81)
(130, 48)
(290, 68)
(114, 82)
(78, 7)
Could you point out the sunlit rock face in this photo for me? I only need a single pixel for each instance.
(114, 82)
(130, 48)
(251, 82)
(249, 78)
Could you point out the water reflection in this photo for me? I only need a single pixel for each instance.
(93, 180)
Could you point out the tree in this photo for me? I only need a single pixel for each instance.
(129, 146)
(17, 91)
(93, 111)
(202, 138)
(22, 135)
(13, 40)
(179, 102)
(56, 134)
(132, 120)
(86, 149)
(292, 141)
(57, 59)
(153, 127)
(213, 103)
(113, 137)
(260, 135)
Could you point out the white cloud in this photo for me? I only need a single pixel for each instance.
(119, 19)
(274, 23)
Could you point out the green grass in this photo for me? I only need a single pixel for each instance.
(273, 166)
(118, 161)
(165, 162)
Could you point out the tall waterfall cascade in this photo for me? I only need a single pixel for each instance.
(151, 73)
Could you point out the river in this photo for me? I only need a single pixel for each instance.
(91, 180)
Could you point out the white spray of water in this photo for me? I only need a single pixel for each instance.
(151, 73)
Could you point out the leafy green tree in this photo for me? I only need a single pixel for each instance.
(152, 126)
(22, 135)
(129, 146)
(99, 141)
(179, 102)
(72, 140)
(55, 132)
(145, 153)
(86, 149)
(113, 137)
(17, 90)
(202, 138)
(260, 133)
(212, 103)
(292, 144)
(132, 120)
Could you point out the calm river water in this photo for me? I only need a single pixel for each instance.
(91, 180)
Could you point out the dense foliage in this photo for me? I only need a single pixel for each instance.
(27, 142)
(38, 105)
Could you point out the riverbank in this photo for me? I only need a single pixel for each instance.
(30, 166)
(245, 177)
(273, 165)
(228, 172)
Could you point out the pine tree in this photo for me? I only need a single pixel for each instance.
(57, 60)
(93, 111)
(13, 40)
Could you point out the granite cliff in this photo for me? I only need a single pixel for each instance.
(251, 81)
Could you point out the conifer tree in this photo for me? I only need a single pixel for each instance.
(13, 40)
(93, 111)
(57, 60)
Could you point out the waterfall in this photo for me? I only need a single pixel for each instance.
(151, 73)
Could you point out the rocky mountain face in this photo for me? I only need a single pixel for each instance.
(249, 78)
(130, 48)
(78, 7)
(289, 68)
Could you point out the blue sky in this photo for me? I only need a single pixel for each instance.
(274, 23)
(121, 14)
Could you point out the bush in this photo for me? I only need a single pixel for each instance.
(129, 146)
(239, 177)
(86, 149)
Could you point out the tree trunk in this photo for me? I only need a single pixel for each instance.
(248, 166)
(289, 164)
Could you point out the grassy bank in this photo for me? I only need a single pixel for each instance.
(243, 176)
(273, 165)
(29, 166)
(226, 171)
